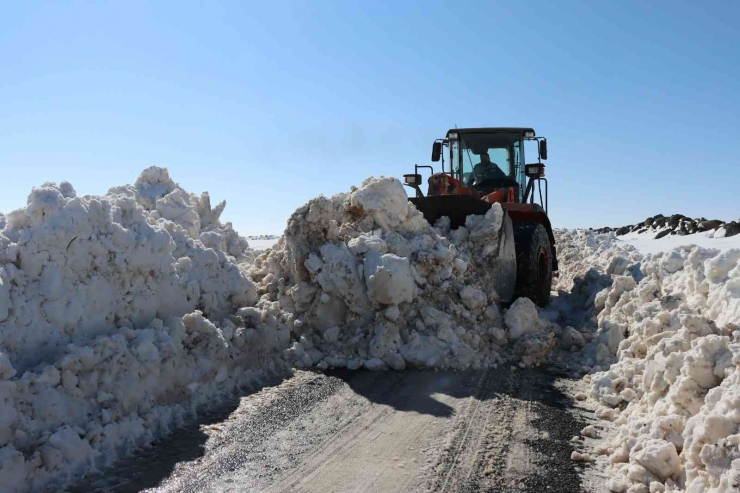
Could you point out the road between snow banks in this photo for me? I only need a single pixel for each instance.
(485, 430)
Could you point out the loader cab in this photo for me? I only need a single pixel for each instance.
(489, 158)
(466, 152)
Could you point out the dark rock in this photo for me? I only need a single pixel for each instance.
(732, 228)
(707, 225)
(677, 224)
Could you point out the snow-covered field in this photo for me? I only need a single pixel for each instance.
(262, 244)
(122, 315)
(646, 242)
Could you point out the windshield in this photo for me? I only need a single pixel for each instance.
(493, 152)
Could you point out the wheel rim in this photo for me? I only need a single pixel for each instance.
(543, 269)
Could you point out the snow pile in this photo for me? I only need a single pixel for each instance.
(121, 314)
(589, 264)
(364, 281)
(118, 315)
(671, 331)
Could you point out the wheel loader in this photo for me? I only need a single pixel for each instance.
(487, 166)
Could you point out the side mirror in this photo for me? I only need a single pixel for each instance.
(436, 151)
(543, 149)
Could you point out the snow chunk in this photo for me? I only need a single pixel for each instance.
(389, 279)
(384, 199)
(572, 338)
(6, 369)
(534, 348)
(522, 318)
(473, 298)
(658, 457)
(13, 469)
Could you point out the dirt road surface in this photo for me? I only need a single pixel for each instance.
(485, 430)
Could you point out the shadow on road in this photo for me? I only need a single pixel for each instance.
(420, 386)
(148, 467)
(408, 390)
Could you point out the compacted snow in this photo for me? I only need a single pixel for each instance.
(115, 322)
(122, 315)
(663, 361)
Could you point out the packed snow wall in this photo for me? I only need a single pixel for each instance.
(114, 323)
(663, 360)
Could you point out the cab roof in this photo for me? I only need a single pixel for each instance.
(490, 130)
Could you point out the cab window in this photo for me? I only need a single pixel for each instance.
(500, 147)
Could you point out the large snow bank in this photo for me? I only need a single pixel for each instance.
(118, 315)
(365, 281)
(668, 340)
(121, 314)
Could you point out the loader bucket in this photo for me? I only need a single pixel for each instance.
(502, 267)
(456, 207)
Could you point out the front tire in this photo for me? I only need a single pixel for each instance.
(533, 262)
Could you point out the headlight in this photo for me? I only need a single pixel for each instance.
(412, 179)
(534, 170)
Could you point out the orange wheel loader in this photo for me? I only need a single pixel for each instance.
(486, 166)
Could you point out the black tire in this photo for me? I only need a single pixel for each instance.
(533, 262)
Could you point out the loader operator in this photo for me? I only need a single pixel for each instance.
(486, 169)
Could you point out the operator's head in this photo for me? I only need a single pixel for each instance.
(484, 158)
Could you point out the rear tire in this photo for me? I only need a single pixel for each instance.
(533, 262)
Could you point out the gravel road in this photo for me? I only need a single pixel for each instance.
(485, 430)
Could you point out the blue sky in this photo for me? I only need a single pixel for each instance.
(267, 104)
